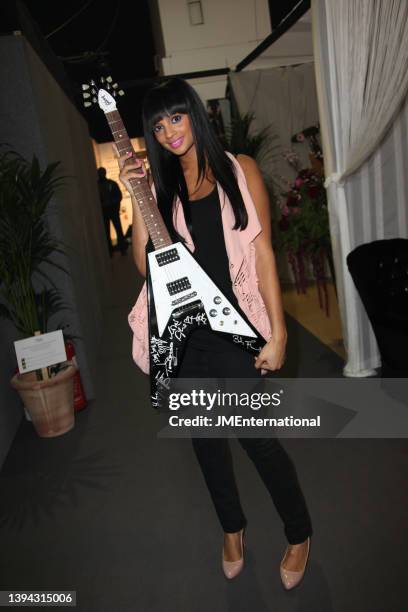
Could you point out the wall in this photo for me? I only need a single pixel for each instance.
(37, 118)
(231, 30)
(228, 24)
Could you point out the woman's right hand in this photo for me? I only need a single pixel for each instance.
(129, 169)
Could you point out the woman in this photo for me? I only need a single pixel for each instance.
(199, 188)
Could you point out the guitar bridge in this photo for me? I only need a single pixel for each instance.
(182, 310)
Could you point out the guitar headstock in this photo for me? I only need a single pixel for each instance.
(102, 92)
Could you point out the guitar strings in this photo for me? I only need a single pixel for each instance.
(123, 144)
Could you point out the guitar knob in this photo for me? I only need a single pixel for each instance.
(226, 310)
(213, 312)
(217, 299)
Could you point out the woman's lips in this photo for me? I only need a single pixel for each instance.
(176, 143)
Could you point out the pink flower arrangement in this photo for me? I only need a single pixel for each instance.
(304, 226)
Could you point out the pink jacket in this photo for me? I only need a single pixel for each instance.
(241, 255)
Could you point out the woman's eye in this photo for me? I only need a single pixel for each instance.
(157, 128)
(176, 118)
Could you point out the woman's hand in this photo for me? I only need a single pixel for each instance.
(130, 167)
(272, 356)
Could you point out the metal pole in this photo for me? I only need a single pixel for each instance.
(284, 25)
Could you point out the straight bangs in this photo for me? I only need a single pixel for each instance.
(164, 102)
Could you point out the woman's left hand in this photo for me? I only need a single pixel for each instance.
(272, 356)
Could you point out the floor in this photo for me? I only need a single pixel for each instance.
(123, 517)
(306, 309)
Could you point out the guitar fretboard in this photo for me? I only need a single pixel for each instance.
(140, 187)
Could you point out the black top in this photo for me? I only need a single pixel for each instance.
(210, 253)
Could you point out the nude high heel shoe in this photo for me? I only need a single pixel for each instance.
(291, 579)
(231, 569)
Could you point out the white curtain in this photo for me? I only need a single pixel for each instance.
(361, 63)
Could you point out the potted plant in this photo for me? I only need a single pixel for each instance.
(261, 145)
(28, 296)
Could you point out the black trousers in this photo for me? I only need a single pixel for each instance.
(111, 213)
(272, 462)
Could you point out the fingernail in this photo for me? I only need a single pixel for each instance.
(129, 153)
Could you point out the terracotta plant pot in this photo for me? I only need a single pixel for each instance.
(50, 403)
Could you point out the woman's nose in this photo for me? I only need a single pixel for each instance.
(168, 130)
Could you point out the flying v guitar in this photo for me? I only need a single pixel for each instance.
(181, 296)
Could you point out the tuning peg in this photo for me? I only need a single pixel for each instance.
(121, 92)
(115, 85)
(86, 94)
(102, 79)
(109, 79)
(94, 100)
(92, 82)
(85, 86)
(93, 91)
(86, 104)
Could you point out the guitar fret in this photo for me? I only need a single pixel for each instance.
(141, 190)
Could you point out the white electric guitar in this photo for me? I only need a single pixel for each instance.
(181, 296)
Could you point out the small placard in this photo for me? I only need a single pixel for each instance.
(40, 351)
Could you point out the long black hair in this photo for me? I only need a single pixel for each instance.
(177, 96)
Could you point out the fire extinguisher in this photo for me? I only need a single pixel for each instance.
(80, 401)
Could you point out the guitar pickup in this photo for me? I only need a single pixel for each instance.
(167, 257)
(178, 286)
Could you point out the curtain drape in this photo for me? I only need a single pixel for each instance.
(361, 65)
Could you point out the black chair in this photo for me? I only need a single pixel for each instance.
(380, 273)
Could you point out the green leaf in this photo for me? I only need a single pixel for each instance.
(26, 244)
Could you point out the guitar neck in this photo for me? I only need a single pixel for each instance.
(140, 187)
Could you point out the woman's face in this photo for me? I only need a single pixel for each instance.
(174, 133)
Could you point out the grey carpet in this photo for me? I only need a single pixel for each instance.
(124, 518)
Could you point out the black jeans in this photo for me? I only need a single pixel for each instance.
(270, 459)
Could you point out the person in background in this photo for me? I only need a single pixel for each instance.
(111, 196)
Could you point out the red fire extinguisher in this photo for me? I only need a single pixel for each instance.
(80, 401)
